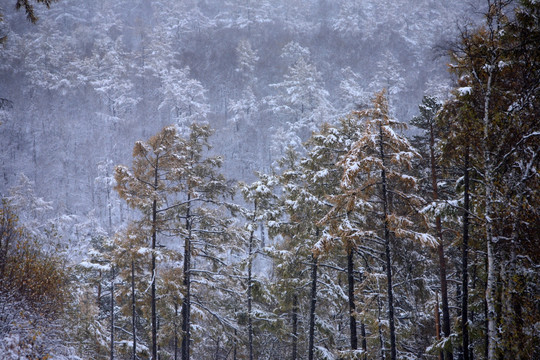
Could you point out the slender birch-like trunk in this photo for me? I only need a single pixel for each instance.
(489, 193)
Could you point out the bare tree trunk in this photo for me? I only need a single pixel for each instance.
(186, 304)
(387, 252)
(133, 310)
(438, 323)
(458, 306)
(112, 312)
(313, 306)
(216, 353)
(364, 340)
(491, 268)
(295, 327)
(379, 322)
(472, 313)
(249, 295)
(175, 331)
(464, 259)
(352, 306)
(250, 283)
(153, 272)
(440, 248)
(234, 346)
(109, 205)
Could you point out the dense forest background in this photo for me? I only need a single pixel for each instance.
(88, 80)
(229, 180)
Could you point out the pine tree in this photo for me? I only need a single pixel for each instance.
(457, 148)
(200, 217)
(375, 178)
(148, 186)
(337, 141)
(427, 121)
(261, 195)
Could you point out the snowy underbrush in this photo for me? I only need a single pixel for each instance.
(27, 333)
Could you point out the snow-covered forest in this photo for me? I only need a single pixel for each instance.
(270, 179)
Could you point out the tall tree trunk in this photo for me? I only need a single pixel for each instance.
(313, 306)
(464, 259)
(387, 252)
(295, 327)
(234, 345)
(175, 331)
(109, 205)
(486, 339)
(352, 306)
(491, 268)
(440, 248)
(186, 304)
(364, 340)
(112, 313)
(459, 286)
(153, 272)
(379, 322)
(249, 295)
(438, 323)
(133, 310)
(472, 313)
(216, 353)
(250, 282)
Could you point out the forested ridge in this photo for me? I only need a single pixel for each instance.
(270, 180)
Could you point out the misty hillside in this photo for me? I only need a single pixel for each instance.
(89, 79)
